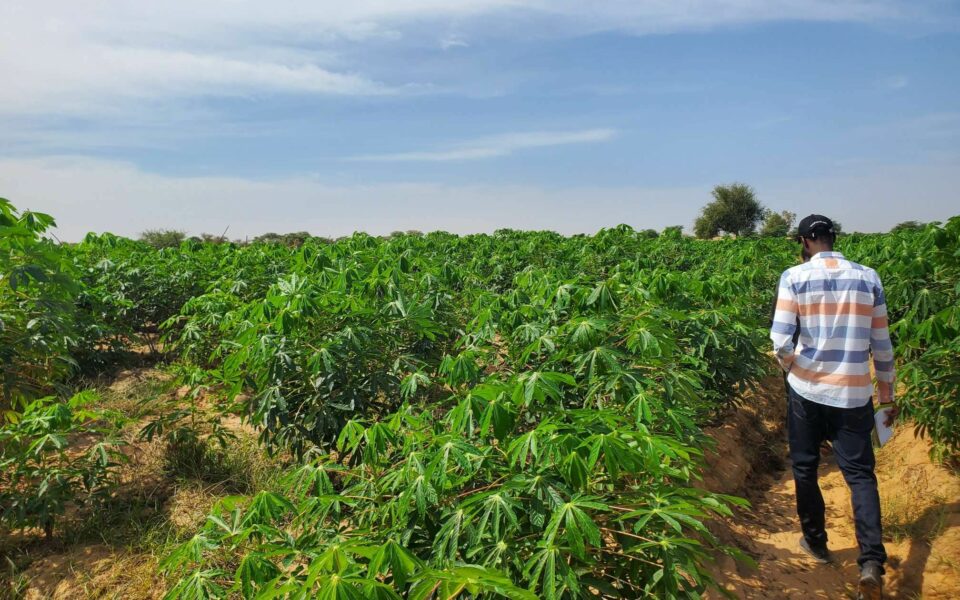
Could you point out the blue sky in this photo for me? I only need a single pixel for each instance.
(473, 115)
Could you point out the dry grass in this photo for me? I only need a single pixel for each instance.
(94, 572)
(906, 519)
(189, 506)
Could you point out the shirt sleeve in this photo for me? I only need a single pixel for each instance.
(881, 347)
(784, 323)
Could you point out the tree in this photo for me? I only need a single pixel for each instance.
(295, 239)
(163, 238)
(777, 224)
(906, 226)
(735, 210)
(674, 232)
(213, 238)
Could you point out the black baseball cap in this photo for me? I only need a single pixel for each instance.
(815, 225)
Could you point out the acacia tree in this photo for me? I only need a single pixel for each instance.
(777, 224)
(907, 226)
(735, 210)
(163, 238)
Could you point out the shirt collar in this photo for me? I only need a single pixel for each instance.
(823, 255)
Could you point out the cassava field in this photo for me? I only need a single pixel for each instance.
(518, 415)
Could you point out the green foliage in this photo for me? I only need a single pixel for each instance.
(672, 232)
(735, 210)
(497, 420)
(906, 226)
(38, 322)
(921, 273)
(584, 499)
(511, 415)
(54, 454)
(294, 240)
(163, 238)
(777, 224)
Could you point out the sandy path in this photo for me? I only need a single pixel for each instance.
(921, 505)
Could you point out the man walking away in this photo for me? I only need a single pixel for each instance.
(843, 319)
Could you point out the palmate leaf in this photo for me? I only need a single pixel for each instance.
(330, 587)
(453, 461)
(464, 417)
(617, 454)
(498, 516)
(265, 508)
(446, 544)
(422, 492)
(541, 571)
(312, 479)
(254, 570)
(527, 445)
(571, 523)
(497, 418)
(396, 560)
(460, 369)
(465, 581)
(575, 471)
(539, 386)
(199, 585)
(597, 362)
(603, 297)
(338, 558)
(351, 436)
(233, 527)
(189, 553)
(586, 331)
(641, 405)
(412, 382)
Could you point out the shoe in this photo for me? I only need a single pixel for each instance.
(819, 553)
(871, 581)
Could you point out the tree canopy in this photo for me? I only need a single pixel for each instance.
(163, 238)
(734, 210)
(777, 224)
(906, 226)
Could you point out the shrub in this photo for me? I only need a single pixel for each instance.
(55, 454)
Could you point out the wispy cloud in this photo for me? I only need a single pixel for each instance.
(453, 41)
(101, 79)
(63, 56)
(894, 82)
(497, 145)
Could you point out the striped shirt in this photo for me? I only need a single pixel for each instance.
(843, 320)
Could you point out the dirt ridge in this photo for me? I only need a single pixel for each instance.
(920, 501)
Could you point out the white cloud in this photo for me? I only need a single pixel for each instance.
(68, 57)
(453, 41)
(97, 195)
(92, 78)
(894, 82)
(497, 145)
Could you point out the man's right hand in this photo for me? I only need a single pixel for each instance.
(893, 411)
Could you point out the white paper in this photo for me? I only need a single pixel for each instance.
(884, 433)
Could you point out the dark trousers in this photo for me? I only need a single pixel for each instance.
(849, 431)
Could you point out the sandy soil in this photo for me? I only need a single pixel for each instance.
(94, 572)
(920, 502)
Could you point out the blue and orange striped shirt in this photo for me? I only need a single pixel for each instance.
(843, 320)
